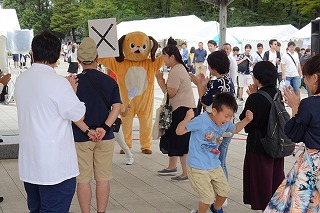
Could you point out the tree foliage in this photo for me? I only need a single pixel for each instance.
(69, 17)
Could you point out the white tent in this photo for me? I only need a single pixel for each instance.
(8, 21)
(262, 34)
(304, 34)
(178, 27)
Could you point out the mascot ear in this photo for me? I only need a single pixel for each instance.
(120, 58)
(154, 48)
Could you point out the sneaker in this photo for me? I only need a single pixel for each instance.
(194, 211)
(130, 161)
(179, 178)
(214, 210)
(167, 172)
(240, 99)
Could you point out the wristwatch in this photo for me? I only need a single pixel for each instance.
(87, 131)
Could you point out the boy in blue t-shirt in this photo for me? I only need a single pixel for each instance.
(204, 171)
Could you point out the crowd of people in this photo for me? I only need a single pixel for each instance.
(66, 131)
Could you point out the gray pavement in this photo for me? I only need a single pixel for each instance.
(136, 188)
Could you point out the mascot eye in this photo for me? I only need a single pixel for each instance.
(144, 47)
(132, 45)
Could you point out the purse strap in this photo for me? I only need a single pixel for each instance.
(103, 98)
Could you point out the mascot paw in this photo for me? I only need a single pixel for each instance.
(146, 151)
(121, 151)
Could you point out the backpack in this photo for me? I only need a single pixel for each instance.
(276, 144)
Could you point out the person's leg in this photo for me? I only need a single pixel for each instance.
(103, 154)
(296, 81)
(85, 162)
(102, 194)
(57, 198)
(84, 195)
(240, 93)
(33, 197)
(241, 85)
(202, 207)
(120, 139)
(279, 77)
(172, 162)
(183, 161)
(127, 126)
(145, 130)
(223, 148)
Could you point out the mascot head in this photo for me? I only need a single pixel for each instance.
(136, 46)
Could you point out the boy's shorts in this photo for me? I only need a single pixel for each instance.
(96, 158)
(207, 183)
(245, 80)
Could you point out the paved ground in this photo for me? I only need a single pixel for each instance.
(136, 188)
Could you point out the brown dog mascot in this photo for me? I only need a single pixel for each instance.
(136, 71)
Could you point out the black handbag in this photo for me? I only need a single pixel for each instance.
(117, 123)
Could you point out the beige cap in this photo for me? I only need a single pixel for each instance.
(87, 51)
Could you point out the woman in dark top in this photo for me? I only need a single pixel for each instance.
(298, 192)
(262, 174)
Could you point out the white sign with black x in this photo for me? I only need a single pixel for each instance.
(104, 33)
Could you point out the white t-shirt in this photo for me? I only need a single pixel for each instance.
(46, 105)
(273, 57)
(256, 57)
(290, 68)
(205, 63)
(233, 69)
(1, 87)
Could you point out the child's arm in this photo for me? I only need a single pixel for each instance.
(181, 128)
(241, 124)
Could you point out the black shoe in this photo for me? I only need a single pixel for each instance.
(1, 199)
(1, 140)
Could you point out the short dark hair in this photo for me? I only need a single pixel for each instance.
(302, 48)
(219, 61)
(45, 48)
(226, 44)
(291, 43)
(308, 50)
(297, 49)
(248, 46)
(235, 49)
(212, 42)
(312, 66)
(266, 73)
(225, 99)
(259, 45)
(192, 49)
(183, 43)
(278, 44)
(271, 41)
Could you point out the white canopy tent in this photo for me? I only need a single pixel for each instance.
(304, 34)
(262, 34)
(178, 27)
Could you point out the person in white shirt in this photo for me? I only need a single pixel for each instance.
(212, 46)
(290, 66)
(46, 106)
(279, 67)
(272, 55)
(233, 68)
(258, 55)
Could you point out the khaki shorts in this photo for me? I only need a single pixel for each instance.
(207, 183)
(96, 158)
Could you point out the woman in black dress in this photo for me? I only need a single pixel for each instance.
(262, 174)
(73, 61)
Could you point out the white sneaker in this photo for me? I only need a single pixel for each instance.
(225, 203)
(130, 161)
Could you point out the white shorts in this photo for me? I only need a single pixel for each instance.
(245, 80)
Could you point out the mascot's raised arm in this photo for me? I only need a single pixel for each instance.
(135, 69)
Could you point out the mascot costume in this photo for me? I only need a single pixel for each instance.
(136, 71)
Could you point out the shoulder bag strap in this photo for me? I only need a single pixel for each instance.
(97, 90)
(292, 59)
(259, 55)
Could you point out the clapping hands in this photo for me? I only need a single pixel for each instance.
(73, 80)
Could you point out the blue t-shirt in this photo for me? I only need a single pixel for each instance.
(215, 87)
(200, 155)
(96, 110)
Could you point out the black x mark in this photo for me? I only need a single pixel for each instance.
(103, 37)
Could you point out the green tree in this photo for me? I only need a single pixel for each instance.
(32, 14)
(66, 17)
